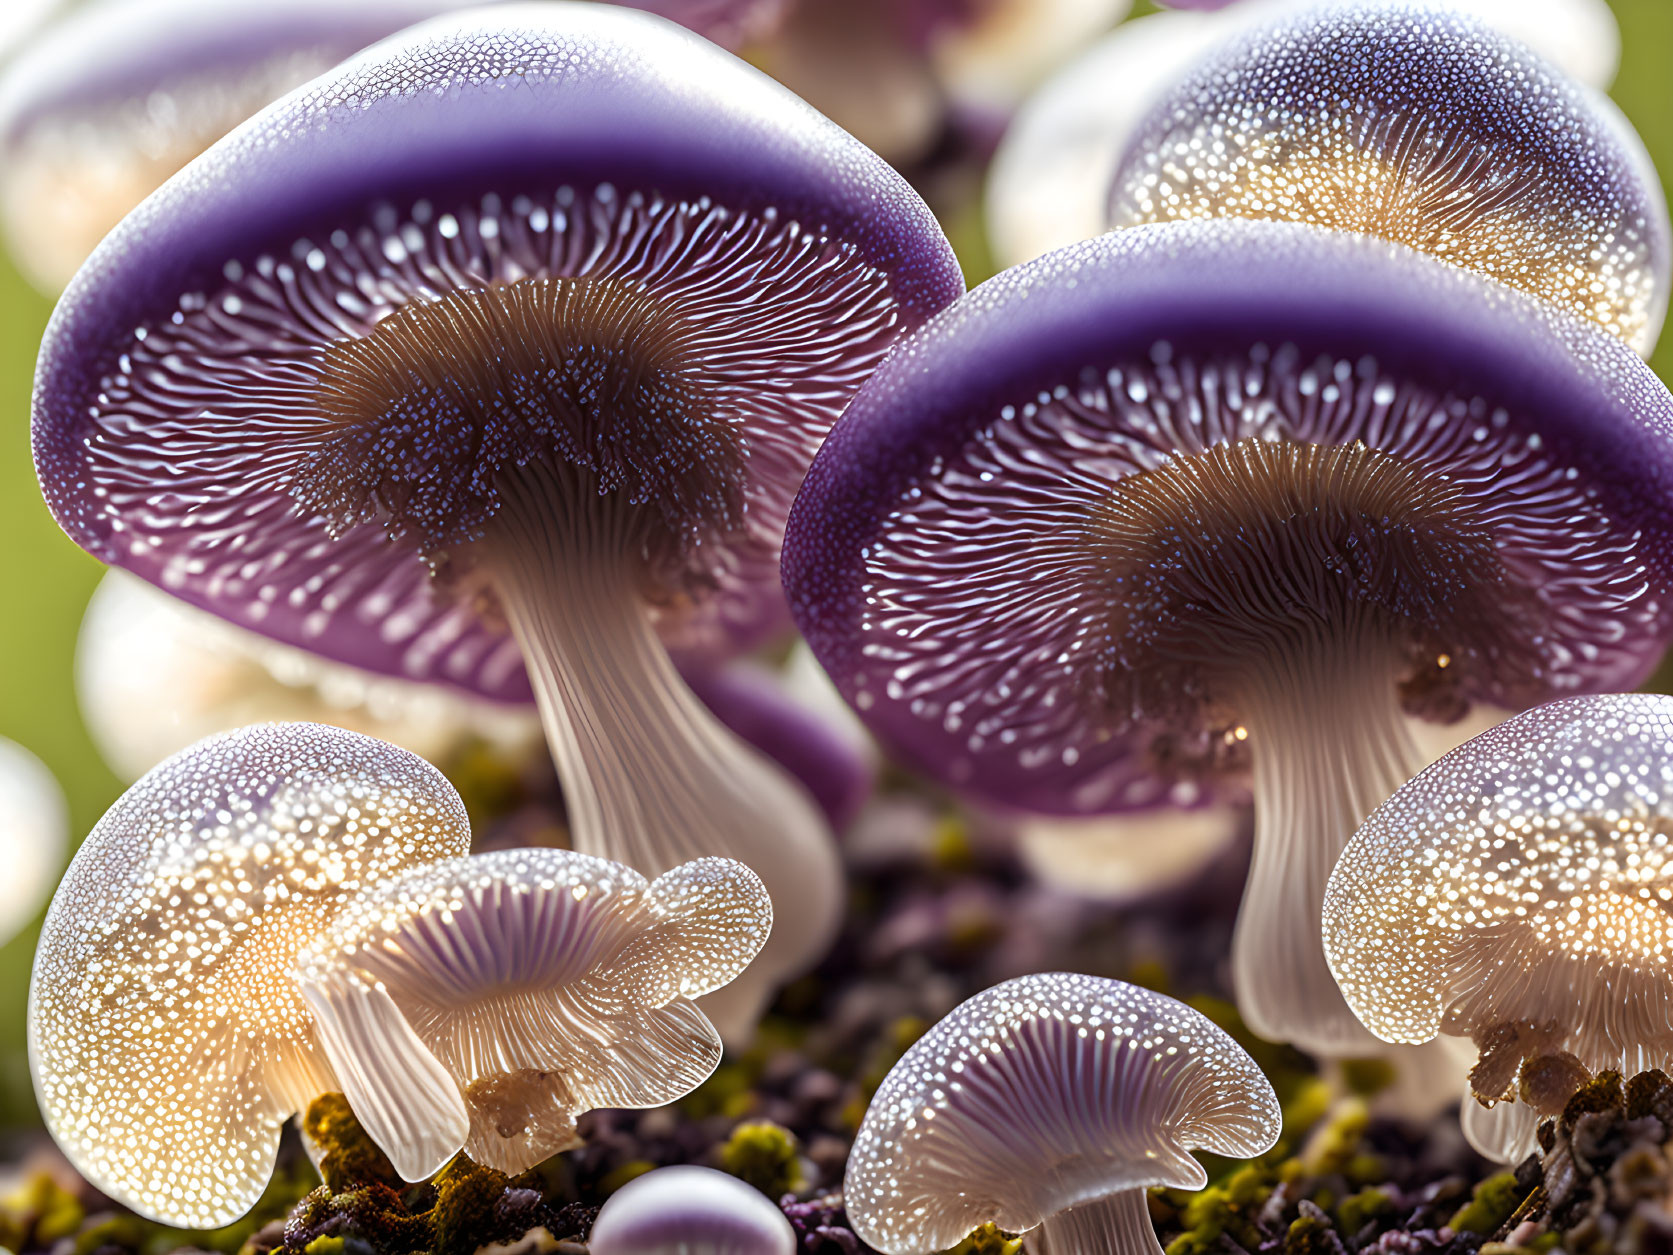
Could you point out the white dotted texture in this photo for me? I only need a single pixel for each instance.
(178, 463)
(1423, 126)
(1041, 1093)
(554, 970)
(168, 1038)
(1526, 879)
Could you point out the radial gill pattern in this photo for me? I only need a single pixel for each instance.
(1042, 1093)
(547, 983)
(168, 1037)
(1053, 532)
(1520, 892)
(360, 375)
(1425, 127)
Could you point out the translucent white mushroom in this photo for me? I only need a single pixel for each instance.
(1049, 182)
(1515, 894)
(687, 1210)
(154, 674)
(34, 833)
(1052, 1102)
(168, 1039)
(546, 982)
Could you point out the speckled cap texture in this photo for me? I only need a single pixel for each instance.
(177, 386)
(1422, 125)
(946, 559)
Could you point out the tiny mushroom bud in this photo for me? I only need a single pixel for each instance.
(1516, 894)
(547, 983)
(687, 1210)
(34, 833)
(168, 1038)
(1204, 496)
(1424, 126)
(1052, 1101)
(506, 345)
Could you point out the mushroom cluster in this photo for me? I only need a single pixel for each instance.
(544, 368)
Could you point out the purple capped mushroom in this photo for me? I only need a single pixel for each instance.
(505, 345)
(1200, 498)
(1422, 125)
(686, 1210)
(1051, 1102)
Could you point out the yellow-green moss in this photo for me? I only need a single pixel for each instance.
(765, 1155)
(1358, 1210)
(347, 1155)
(1490, 1206)
(986, 1240)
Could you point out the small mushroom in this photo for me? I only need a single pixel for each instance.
(506, 344)
(1421, 125)
(685, 1210)
(168, 1039)
(1515, 894)
(34, 836)
(154, 674)
(1052, 1102)
(1206, 497)
(546, 983)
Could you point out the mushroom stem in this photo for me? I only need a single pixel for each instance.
(1116, 1224)
(1329, 744)
(650, 778)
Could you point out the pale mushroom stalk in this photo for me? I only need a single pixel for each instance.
(1117, 1224)
(650, 777)
(1329, 742)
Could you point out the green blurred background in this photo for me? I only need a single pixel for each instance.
(45, 580)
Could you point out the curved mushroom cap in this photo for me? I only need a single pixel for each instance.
(118, 96)
(168, 1040)
(1042, 1093)
(154, 674)
(990, 552)
(686, 1209)
(342, 322)
(546, 982)
(34, 833)
(833, 765)
(1420, 125)
(1523, 880)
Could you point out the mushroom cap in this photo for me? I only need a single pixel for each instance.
(116, 97)
(168, 1040)
(830, 763)
(486, 165)
(686, 1210)
(1041, 1093)
(1425, 126)
(34, 835)
(546, 983)
(1522, 879)
(948, 561)
(154, 674)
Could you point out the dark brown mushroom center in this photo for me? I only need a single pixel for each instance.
(1216, 562)
(592, 379)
